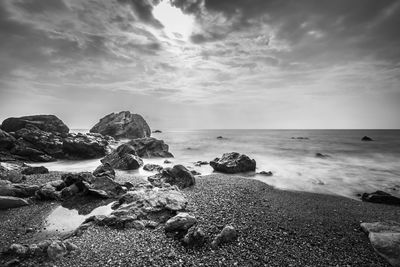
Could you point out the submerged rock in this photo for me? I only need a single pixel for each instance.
(122, 125)
(227, 235)
(47, 123)
(366, 138)
(380, 197)
(177, 175)
(385, 239)
(7, 202)
(150, 148)
(35, 170)
(233, 163)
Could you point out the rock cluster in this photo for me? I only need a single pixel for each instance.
(233, 163)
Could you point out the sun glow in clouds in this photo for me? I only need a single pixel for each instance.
(173, 19)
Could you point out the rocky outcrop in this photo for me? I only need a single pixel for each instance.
(177, 175)
(122, 125)
(7, 202)
(385, 239)
(85, 146)
(35, 170)
(380, 197)
(6, 140)
(227, 235)
(233, 163)
(366, 138)
(123, 158)
(47, 123)
(150, 148)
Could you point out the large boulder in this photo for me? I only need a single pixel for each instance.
(150, 148)
(122, 125)
(380, 197)
(85, 146)
(123, 158)
(47, 123)
(385, 239)
(233, 163)
(7, 141)
(177, 175)
(7, 202)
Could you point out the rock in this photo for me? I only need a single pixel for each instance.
(156, 131)
(35, 170)
(227, 235)
(47, 123)
(18, 250)
(200, 163)
(177, 175)
(77, 178)
(7, 202)
(194, 172)
(152, 167)
(122, 125)
(300, 138)
(70, 246)
(85, 146)
(104, 169)
(233, 163)
(366, 138)
(268, 173)
(167, 161)
(106, 184)
(195, 237)
(321, 156)
(123, 158)
(13, 262)
(70, 191)
(12, 176)
(7, 141)
(136, 224)
(150, 147)
(48, 192)
(26, 151)
(385, 239)
(180, 223)
(56, 250)
(380, 197)
(220, 137)
(17, 190)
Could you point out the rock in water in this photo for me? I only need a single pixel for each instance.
(47, 123)
(123, 158)
(7, 202)
(227, 235)
(366, 138)
(385, 239)
(122, 125)
(152, 167)
(266, 173)
(380, 197)
(233, 163)
(177, 175)
(35, 170)
(150, 148)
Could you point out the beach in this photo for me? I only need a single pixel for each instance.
(275, 228)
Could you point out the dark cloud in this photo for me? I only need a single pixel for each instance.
(144, 10)
(41, 6)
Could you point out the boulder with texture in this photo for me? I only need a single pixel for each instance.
(35, 170)
(122, 125)
(150, 148)
(105, 169)
(380, 197)
(180, 222)
(85, 146)
(177, 175)
(7, 141)
(17, 190)
(123, 158)
(47, 123)
(152, 167)
(195, 237)
(13, 176)
(385, 239)
(227, 235)
(233, 163)
(7, 202)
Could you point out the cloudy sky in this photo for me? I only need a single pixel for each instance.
(203, 63)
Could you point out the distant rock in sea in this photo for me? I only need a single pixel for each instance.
(321, 156)
(122, 125)
(220, 137)
(156, 131)
(47, 123)
(265, 173)
(380, 197)
(367, 138)
(150, 147)
(233, 163)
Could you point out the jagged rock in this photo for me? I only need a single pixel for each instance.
(35, 170)
(77, 178)
(366, 138)
(106, 184)
(85, 146)
(7, 202)
(123, 158)
(233, 163)
(69, 191)
(57, 249)
(227, 235)
(26, 152)
(195, 237)
(152, 167)
(381, 197)
(47, 123)
(104, 169)
(180, 222)
(18, 250)
(150, 147)
(385, 239)
(177, 175)
(122, 125)
(7, 141)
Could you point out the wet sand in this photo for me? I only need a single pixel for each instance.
(276, 228)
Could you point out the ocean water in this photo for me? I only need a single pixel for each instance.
(353, 166)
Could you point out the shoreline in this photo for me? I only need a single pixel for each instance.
(276, 227)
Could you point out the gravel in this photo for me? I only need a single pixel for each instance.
(276, 228)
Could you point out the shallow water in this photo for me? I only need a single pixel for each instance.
(352, 167)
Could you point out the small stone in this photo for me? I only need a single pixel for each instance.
(56, 250)
(18, 249)
(227, 235)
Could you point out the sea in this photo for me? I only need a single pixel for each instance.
(351, 166)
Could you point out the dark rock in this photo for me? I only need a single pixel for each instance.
(69, 191)
(85, 146)
(77, 178)
(177, 175)
(57, 249)
(47, 123)
(7, 202)
(35, 170)
(17, 190)
(321, 156)
(195, 237)
(27, 152)
(104, 169)
(157, 131)
(152, 167)
(7, 141)
(366, 138)
(200, 163)
(123, 158)
(268, 173)
(227, 235)
(122, 125)
(220, 137)
(300, 138)
(180, 223)
(13, 176)
(167, 161)
(194, 172)
(150, 147)
(233, 163)
(380, 197)
(106, 184)
(48, 192)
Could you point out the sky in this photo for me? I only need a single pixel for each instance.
(193, 64)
